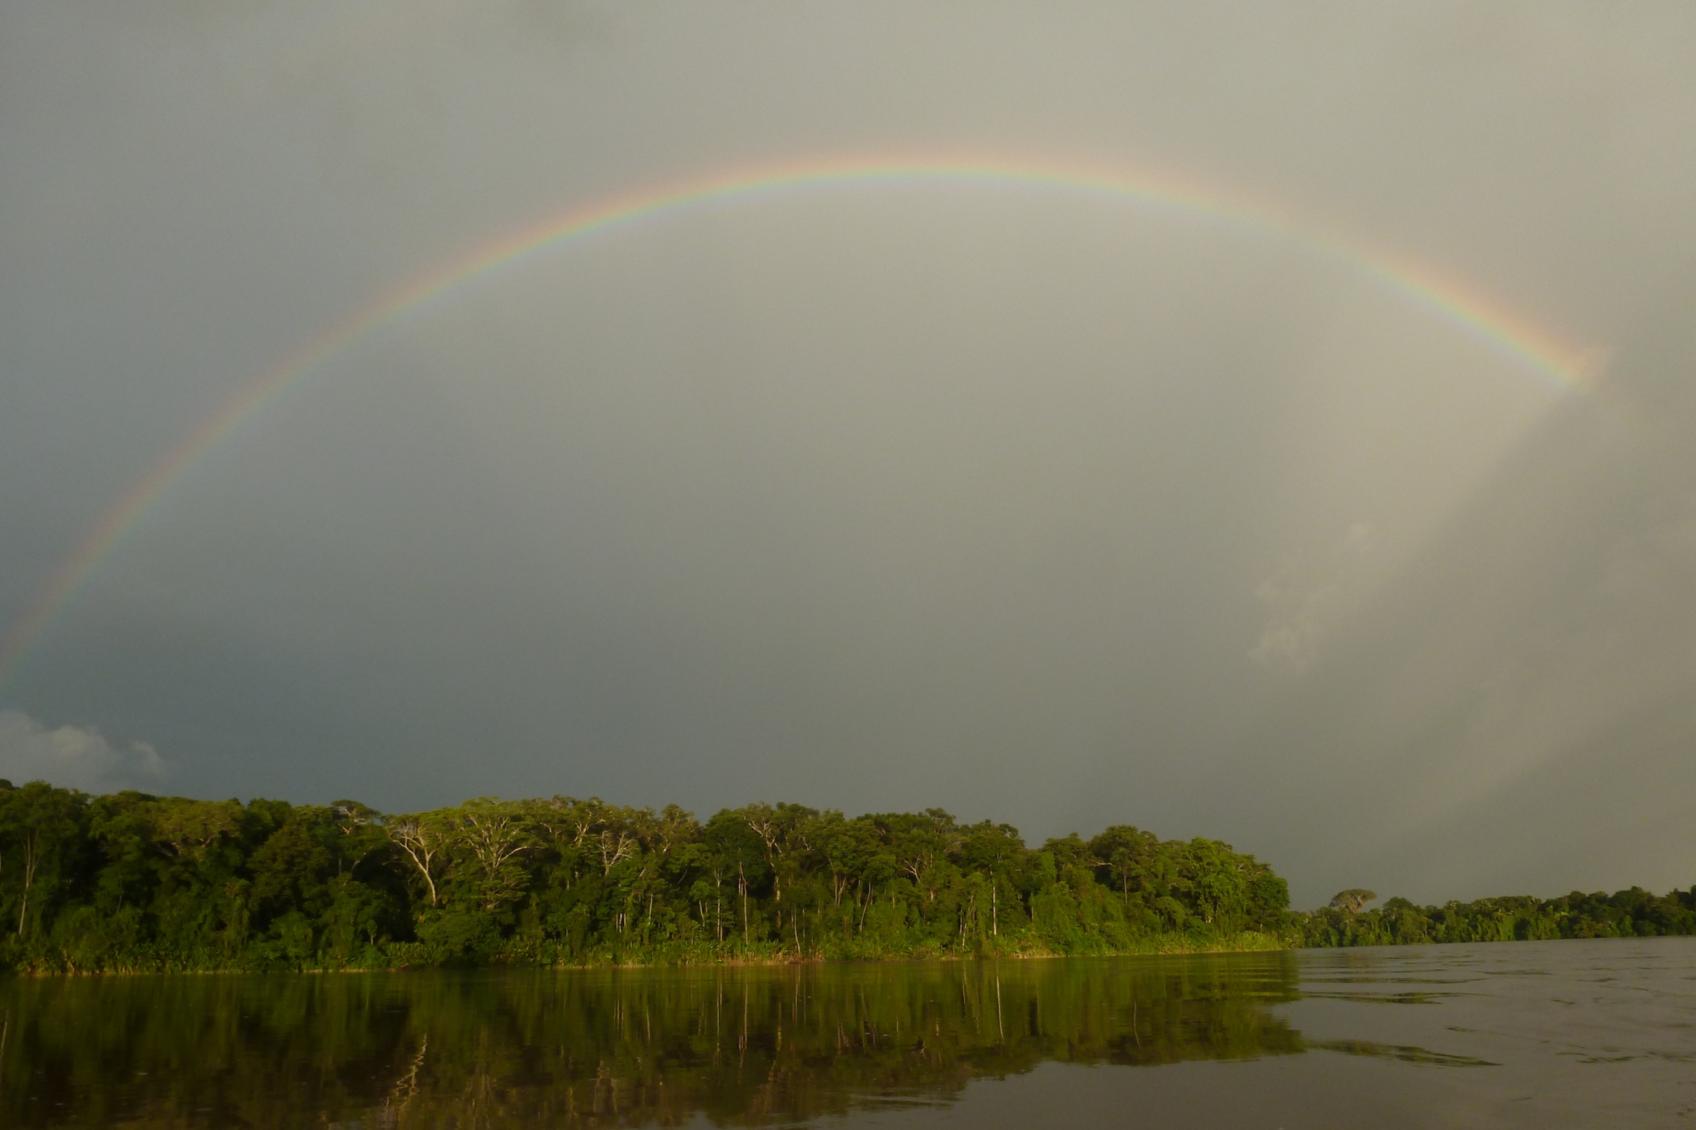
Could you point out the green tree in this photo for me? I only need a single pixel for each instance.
(1352, 901)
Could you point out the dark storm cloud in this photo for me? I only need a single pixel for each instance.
(1054, 510)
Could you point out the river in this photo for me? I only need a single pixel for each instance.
(1572, 1033)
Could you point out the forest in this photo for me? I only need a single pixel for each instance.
(131, 881)
(1631, 913)
(135, 882)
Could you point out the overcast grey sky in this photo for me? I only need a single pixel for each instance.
(1053, 509)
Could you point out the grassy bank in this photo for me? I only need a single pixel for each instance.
(679, 955)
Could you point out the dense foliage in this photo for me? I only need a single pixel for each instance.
(1631, 913)
(133, 881)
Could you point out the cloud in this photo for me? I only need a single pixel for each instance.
(73, 756)
(1299, 612)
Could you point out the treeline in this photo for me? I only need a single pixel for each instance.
(1631, 913)
(132, 881)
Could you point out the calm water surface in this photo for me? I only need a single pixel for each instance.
(1518, 1034)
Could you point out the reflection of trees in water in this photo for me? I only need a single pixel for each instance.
(608, 1047)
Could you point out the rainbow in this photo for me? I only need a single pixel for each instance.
(1561, 364)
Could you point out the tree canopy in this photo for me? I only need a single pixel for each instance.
(134, 881)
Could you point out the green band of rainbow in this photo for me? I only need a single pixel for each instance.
(1450, 299)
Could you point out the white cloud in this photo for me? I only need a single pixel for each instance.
(76, 757)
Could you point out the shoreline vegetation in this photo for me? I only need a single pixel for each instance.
(136, 883)
(1161, 946)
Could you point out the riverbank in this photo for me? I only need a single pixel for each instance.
(690, 956)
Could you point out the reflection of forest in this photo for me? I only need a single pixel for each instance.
(606, 1047)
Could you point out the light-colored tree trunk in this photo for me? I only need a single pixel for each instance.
(742, 886)
(420, 847)
(32, 858)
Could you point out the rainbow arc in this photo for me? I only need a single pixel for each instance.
(1559, 363)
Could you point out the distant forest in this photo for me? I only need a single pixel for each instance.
(138, 882)
(1631, 913)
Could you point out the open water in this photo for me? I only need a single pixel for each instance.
(1545, 1034)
